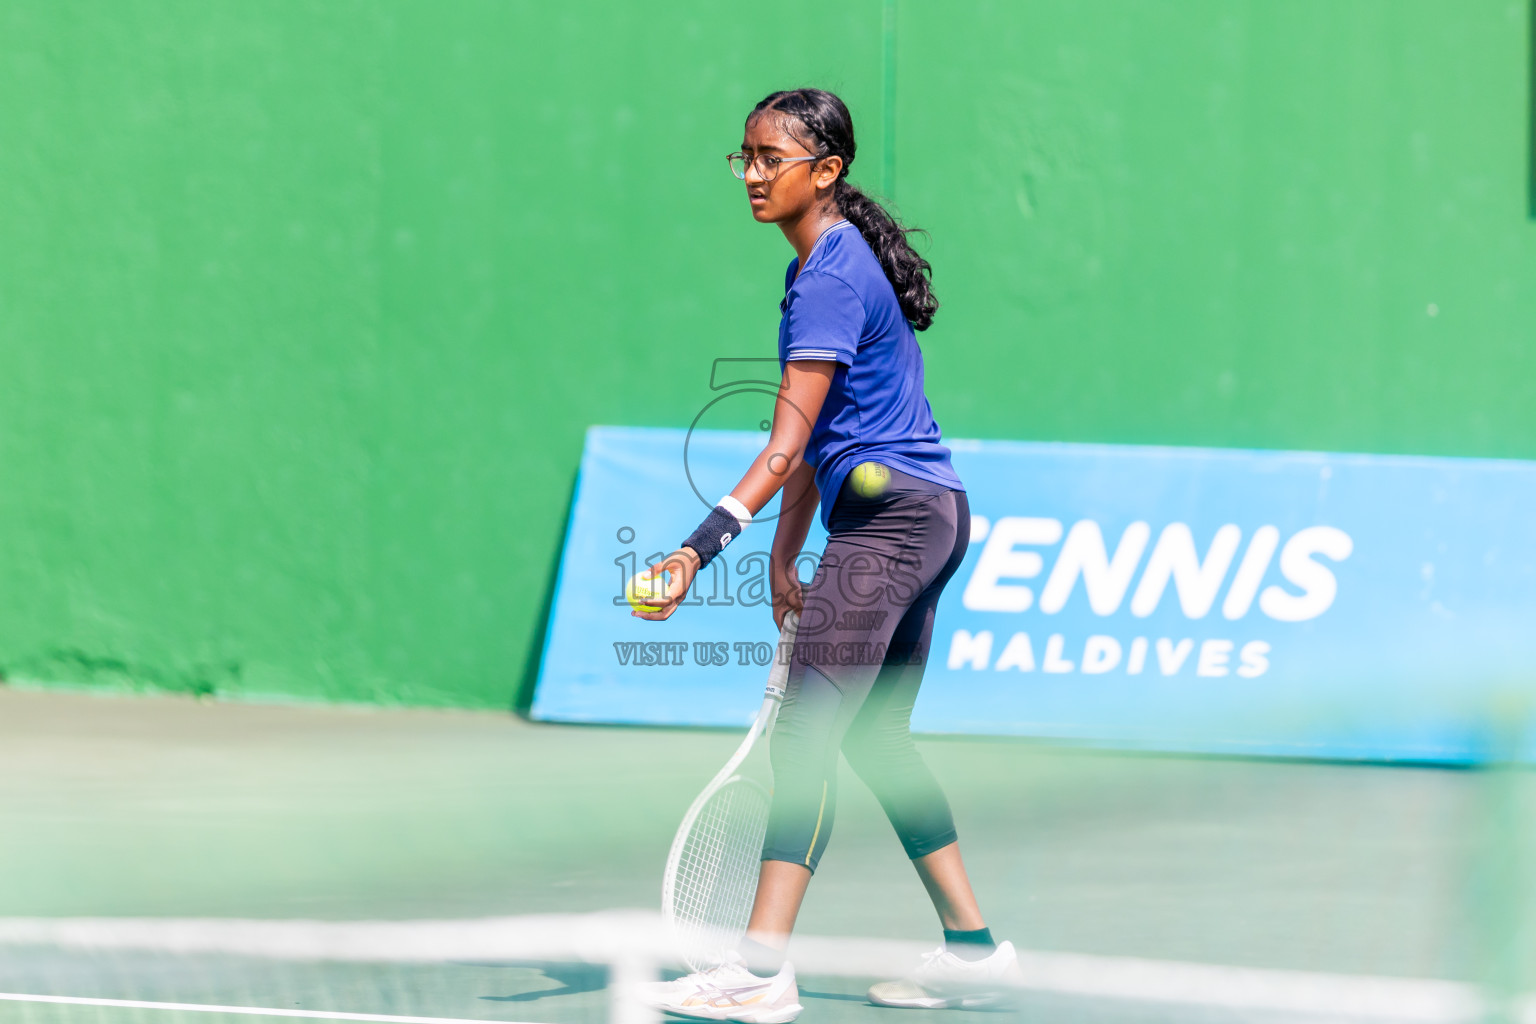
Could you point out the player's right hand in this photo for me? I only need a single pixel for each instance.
(683, 564)
(788, 597)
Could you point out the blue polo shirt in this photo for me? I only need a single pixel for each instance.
(842, 309)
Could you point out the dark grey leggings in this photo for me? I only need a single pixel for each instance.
(857, 665)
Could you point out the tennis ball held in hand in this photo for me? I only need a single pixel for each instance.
(870, 479)
(642, 588)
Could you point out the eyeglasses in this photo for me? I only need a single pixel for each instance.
(767, 166)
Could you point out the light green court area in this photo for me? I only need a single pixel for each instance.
(166, 807)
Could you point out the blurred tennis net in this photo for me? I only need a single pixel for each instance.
(575, 969)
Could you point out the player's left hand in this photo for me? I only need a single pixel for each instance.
(683, 565)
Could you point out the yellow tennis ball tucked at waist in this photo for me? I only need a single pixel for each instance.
(870, 479)
(640, 589)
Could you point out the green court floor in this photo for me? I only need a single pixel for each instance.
(158, 807)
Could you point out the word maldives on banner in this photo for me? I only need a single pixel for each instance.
(1300, 603)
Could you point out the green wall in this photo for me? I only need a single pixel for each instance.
(304, 306)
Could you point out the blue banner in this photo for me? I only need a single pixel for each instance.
(1291, 603)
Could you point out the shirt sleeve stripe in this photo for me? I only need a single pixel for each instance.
(810, 353)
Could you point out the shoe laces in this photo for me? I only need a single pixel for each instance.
(931, 960)
(709, 983)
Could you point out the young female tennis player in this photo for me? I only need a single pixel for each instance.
(852, 428)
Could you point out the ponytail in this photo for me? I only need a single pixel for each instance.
(825, 118)
(909, 274)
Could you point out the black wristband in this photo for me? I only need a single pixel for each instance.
(713, 534)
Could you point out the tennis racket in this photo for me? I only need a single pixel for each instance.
(711, 876)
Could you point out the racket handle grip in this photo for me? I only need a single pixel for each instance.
(778, 676)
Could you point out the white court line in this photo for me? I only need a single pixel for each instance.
(252, 1011)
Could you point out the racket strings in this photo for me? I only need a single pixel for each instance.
(717, 871)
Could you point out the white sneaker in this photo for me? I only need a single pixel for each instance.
(946, 982)
(729, 992)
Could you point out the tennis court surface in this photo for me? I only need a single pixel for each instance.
(391, 864)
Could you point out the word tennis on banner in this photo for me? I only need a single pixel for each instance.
(1306, 590)
(1302, 603)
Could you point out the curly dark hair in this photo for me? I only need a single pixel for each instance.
(827, 130)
